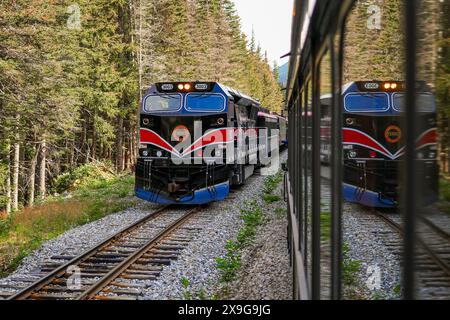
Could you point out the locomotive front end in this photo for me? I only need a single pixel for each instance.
(374, 144)
(183, 140)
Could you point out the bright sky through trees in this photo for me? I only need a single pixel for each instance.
(271, 20)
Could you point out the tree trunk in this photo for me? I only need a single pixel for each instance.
(32, 179)
(8, 186)
(15, 179)
(94, 138)
(85, 142)
(42, 170)
(119, 144)
(124, 151)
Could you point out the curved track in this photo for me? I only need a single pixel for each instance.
(433, 255)
(108, 270)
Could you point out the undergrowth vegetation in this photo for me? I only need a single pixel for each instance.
(350, 267)
(93, 175)
(444, 193)
(98, 193)
(252, 217)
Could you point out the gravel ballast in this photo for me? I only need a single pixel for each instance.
(219, 222)
(373, 243)
(76, 241)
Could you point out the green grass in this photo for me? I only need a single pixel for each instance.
(271, 183)
(397, 289)
(350, 267)
(325, 226)
(252, 216)
(281, 213)
(444, 188)
(271, 198)
(444, 194)
(26, 230)
(230, 262)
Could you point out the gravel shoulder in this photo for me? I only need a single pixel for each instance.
(266, 271)
(375, 246)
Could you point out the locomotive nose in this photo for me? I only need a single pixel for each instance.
(176, 185)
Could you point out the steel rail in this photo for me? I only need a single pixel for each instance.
(60, 271)
(433, 226)
(113, 274)
(396, 227)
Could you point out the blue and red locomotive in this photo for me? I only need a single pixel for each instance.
(189, 131)
(374, 144)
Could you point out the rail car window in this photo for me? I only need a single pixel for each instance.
(325, 214)
(366, 102)
(162, 103)
(373, 50)
(205, 102)
(308, 131)
(432, 174)
(425, 102)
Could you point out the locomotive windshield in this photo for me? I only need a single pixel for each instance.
(425, 102)
(166, 102)
(366, 102)
(205, 102)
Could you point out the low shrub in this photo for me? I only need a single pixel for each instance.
(230, 262)
(93, 175)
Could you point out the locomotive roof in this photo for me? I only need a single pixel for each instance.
(236, 95)
(240, 96)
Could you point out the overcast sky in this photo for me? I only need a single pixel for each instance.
(271, 20)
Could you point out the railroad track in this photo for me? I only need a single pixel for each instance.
(432, 258)
(115, 268)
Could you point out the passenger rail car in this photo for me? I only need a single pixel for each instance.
(189, 133)
(354, 135)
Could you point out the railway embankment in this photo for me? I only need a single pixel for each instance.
(88, 194)
(239, 249)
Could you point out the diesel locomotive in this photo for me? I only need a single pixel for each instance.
(197, 139)
(374, 144)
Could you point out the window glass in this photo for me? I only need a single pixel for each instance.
(158, 103)
(425, 102)
(205, 102)
(366, 102)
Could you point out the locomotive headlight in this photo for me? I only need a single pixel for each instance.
(432, 155)
(393, 86)
(180, 86)
(146, 121)
(187, 86)
(220, 121)
(352, 154)
(350, 121)
(387, 86)
(159, 154)
(145, 153)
